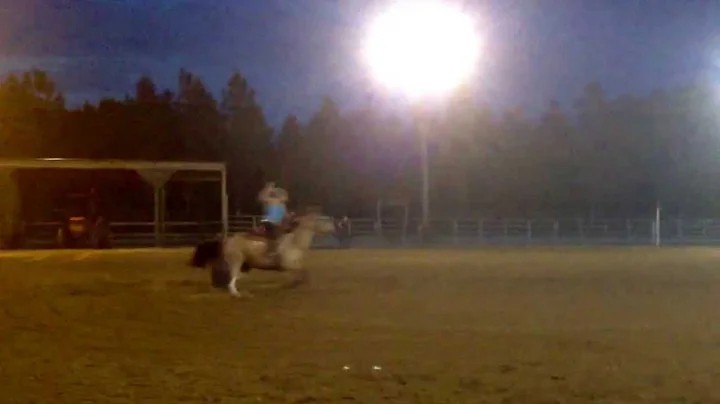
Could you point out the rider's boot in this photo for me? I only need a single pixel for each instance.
(272, 252)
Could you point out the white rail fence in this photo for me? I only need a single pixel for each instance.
(368, 232)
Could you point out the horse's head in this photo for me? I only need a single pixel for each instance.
(324, 225)
(206, 253)
(316, 223)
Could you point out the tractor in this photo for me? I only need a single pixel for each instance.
(81, 223)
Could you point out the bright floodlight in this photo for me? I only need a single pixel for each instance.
(422, 48)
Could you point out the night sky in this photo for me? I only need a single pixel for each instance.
(296, 51)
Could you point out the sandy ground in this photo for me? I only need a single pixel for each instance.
(612, 325)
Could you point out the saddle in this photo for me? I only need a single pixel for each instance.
(257, 231)
(261, 231)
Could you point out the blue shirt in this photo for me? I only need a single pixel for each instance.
(275, 213)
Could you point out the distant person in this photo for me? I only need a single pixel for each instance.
(343, 231)
(274, 199)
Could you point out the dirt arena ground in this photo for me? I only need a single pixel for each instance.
(612, 325)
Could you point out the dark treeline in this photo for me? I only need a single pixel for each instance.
(618, 155)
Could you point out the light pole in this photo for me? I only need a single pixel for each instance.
(424, 132)
(423, 49)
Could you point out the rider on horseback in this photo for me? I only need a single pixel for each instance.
(274, 199)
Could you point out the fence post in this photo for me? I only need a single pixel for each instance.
(480, 231)
(349, 228)
(679, 224)
(556, 229)
(254, 221)
(529, 230)
(505, 229)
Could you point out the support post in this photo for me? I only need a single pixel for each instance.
(225, 205)
(425, 176)
(157, 178)
(424, 132)
(158, 217)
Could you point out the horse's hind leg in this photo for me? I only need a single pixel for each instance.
(235, 275)
(238, 270)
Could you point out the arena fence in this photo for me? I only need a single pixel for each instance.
(369, 232)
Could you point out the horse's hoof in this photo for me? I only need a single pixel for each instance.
(242, 295)
(297, 283)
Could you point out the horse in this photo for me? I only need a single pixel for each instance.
(244, 251)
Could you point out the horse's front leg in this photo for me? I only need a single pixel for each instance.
(300, 276)
(292, 265)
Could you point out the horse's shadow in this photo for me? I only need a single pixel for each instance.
(220, 279)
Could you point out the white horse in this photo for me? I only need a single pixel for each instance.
(244, 251)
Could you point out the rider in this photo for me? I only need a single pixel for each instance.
(274, 199)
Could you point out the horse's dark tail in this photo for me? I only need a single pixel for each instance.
(206, 253)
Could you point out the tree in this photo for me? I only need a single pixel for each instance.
(200, 126)
(247, 139)
(555, 162)
(289, 158)
(320, 154)
(30, 113)
(155, 123)
(145, 91)
(610, 156)
(456, 149)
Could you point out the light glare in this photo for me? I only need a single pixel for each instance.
(422, 48)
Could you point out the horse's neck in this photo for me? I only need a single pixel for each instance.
(302, 238)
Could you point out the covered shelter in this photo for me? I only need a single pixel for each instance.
(155, 173)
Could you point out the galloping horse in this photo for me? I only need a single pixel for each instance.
(244, 251)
